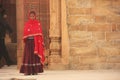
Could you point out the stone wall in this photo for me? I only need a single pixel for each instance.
(94, 33)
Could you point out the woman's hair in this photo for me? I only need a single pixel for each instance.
(32, 12)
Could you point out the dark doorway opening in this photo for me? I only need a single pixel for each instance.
(11, 41)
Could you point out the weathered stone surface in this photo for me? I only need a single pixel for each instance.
(79, 27)
(89, 60)
(99, 27)
(98, 35)
(55, 45)
(118, 27)
(103, 43)
(80, 11)
(100, 19)
(21, 79)
(71, 3)
(114, 59)
(94, 39)
(84, 51)
(76, 20)
(83, 35)
(115, 19)
(77, 43)
(109, 51)
(84, 3)
(94, 33)
(54, 59)
(113, 35)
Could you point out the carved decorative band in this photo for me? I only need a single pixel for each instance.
(55, 50)
(52, 39)
(55, 53)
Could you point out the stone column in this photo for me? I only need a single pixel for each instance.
(59, 48)
(55, 35)
(64, 35)
(20, 24)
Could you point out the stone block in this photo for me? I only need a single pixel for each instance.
(57, 66)
(113, 36)
(114, 27)
(55, 59)
(89, 60)
(118, 27)
(84, 3)
(75, 59)
(116, 3)
(84, 51)
(114, 59)
(116, 43)
(21, 79)
(104, 66)
(81, 43)
(113, 19)
(101, 11)
(84, 67)
(102, 3)
(117, 66)
(71, 3)
(110, 66)
(98, 35)
(79, 27)
(100, 19)
(81, 35)
(99, 27)
(103, 43)
(76, 20)
(109, 51)
(74, 67)
(80, 11)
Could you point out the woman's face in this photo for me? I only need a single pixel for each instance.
(32, 16)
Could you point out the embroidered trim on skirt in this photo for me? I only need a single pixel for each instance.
(31, 62)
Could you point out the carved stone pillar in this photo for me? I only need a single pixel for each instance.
(59, 49)
(54, 34)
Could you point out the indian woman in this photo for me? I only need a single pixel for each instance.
(33, 58)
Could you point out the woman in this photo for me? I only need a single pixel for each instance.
(34, 47)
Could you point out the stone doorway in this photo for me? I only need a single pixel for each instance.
(11, 41)
(41, 7)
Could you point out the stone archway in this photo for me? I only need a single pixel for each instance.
(58, 50)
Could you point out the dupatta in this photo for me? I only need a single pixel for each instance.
(33, 28)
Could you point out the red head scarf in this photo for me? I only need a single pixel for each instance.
(33, 28)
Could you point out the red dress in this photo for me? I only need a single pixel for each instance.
(34, 48)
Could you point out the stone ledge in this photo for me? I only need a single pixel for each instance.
(21, 79)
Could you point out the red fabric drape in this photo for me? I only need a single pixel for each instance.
(33, 28)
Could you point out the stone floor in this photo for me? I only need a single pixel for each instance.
(11, 73)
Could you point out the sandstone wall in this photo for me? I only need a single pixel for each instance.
(94, 33)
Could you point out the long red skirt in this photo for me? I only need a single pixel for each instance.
(31, 62)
